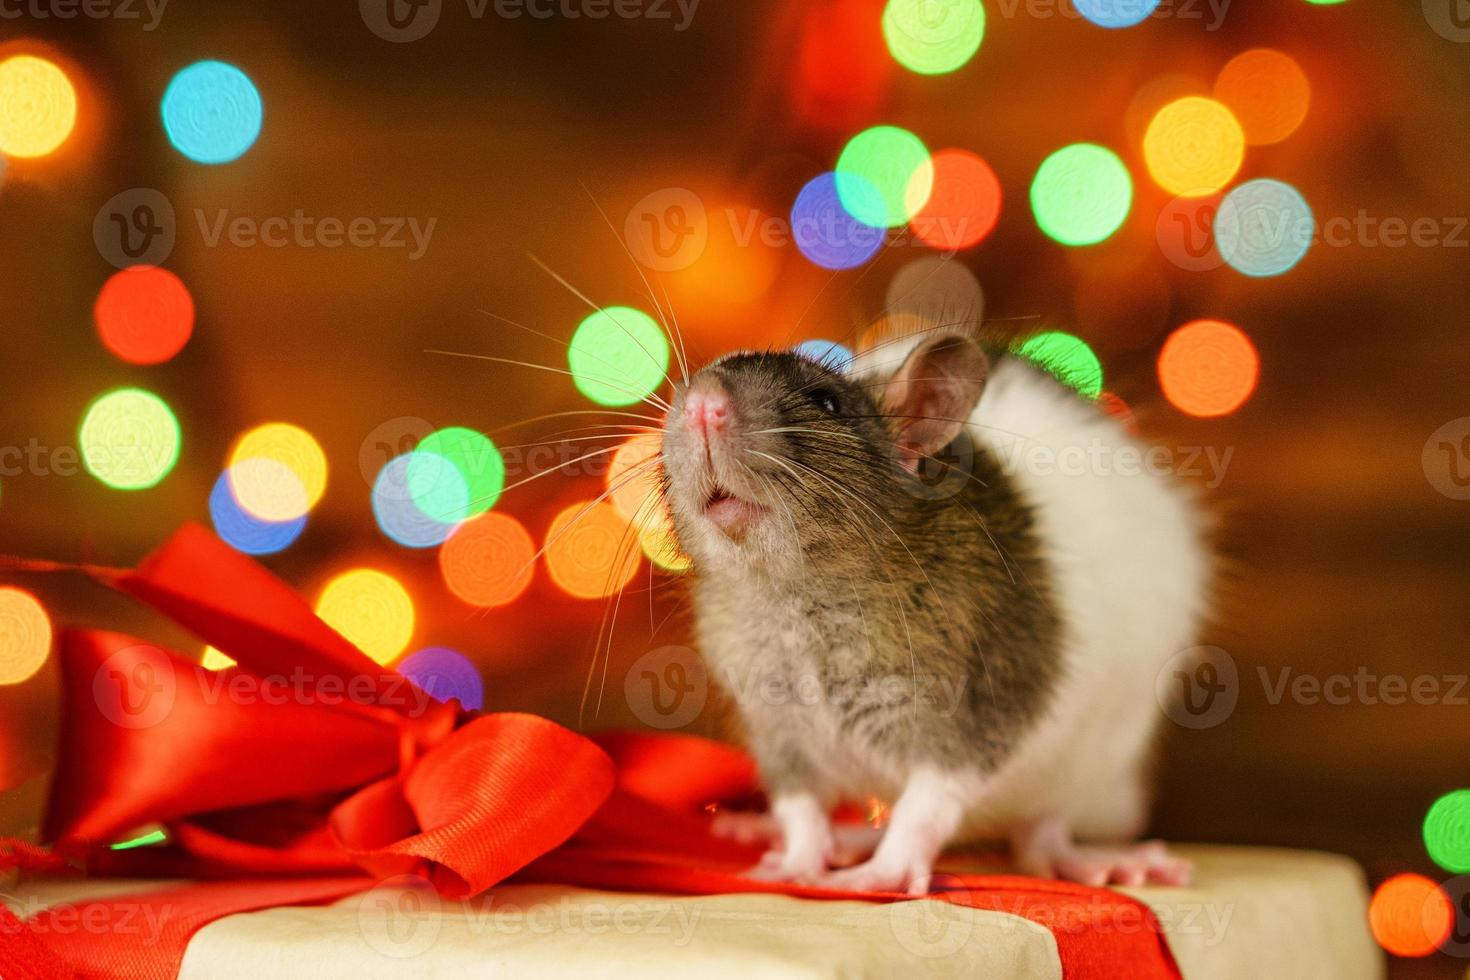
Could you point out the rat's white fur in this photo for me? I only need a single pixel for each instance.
(1129, 572)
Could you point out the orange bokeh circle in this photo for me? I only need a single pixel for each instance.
(488, 560)
(636, 494)
(144, 314)
(1410, 915)
(1267, 92)
(1208, 368)
(963, 204)
(591, 550)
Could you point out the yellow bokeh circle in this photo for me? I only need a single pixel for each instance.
(38, 106)
(25, 636)
(278, 472)
(1193, 146)
(371, 609)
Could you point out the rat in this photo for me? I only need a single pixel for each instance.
(910, 596)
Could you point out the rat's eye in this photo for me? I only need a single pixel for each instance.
(824, 399)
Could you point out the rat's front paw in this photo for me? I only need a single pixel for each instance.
(801, 867)
(881, 876)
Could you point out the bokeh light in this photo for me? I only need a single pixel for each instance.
(444, 674)
(1410, 915)
(1208, 368)
(636, 494)
(828, 353)
(418, 499)
(884, 176)
(1194, 146)
(825, 232)
(211, 112)
(215, 659)
(1116, 13)
(1267, 91)
(242, 530)
(129, 439)
(661, 546)
(1081, 194)
(618, 356)
(843, 68)
(932, 37)
(278, 472)
(591, 551)
(471, 453)
(934, 290)
(738, 264)
(38, 106)
(1263, 228)
(371, 609)
(964, 203)
(488, 561)
(144, 314)
(147, 839)
(1066, 358)
(25, 636)
(1447, 832)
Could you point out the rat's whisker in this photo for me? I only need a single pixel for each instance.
(599, 309)
(522, 423)
(897, 599)
(652, 399)
(678, 344)
(619, 557)
(912, 558)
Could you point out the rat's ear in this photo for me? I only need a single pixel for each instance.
(932, 395)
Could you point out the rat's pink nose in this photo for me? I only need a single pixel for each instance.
(707, 410)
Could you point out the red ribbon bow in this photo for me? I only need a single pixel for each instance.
(305, 766)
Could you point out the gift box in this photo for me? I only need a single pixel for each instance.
(320, 815)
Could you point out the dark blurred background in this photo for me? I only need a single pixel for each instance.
(511, 134)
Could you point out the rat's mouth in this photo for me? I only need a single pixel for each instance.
(731, 514)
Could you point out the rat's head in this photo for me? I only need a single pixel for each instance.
(772, 455)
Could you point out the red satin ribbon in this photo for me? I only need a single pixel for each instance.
(307, 772)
